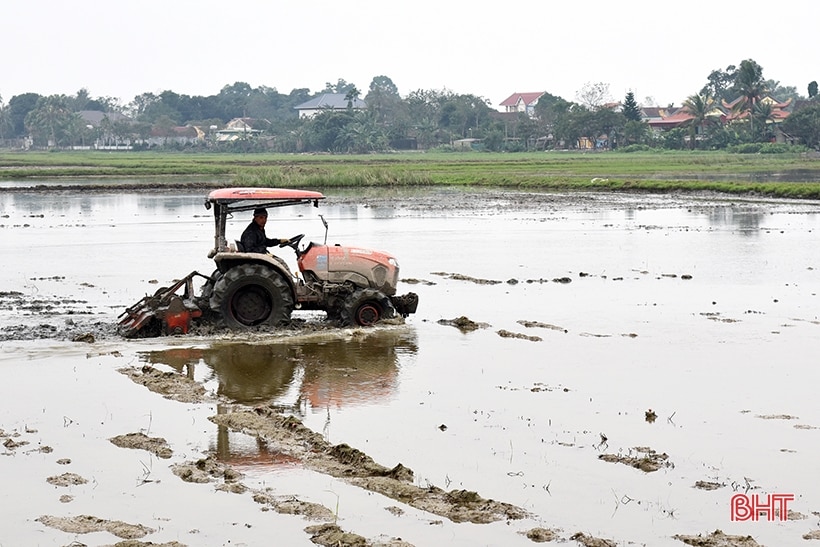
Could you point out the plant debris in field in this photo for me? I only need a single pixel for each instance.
(509, 334)
(646, 459)
(589, 541)
(414, 281)
(777, 417)
(86, 524)
(708, 485)
(540, 535)
(291, 437)
(156, 445)
(540, 325)
(718, 539)
(66, 479)
(463, 323)
(462, 277)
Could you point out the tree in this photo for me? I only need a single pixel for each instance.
(549, 111)
(140, 105)
(340, 86)
(352, 96)
(421, 108)
(594, 95)
(361, 135)
(750, 85)
(781, 92)
(630, 109)
(762, 114)
(463, 115)
(635, 132)
(812, 89)
(383, 99)
(322, 132)
(719, 84)
(702, 109)
(50, 120)
(80, 101)
(19, 107)
(580, 121)
(805, 124)
(5, 120)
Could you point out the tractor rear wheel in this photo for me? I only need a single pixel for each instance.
(365, 307)
(251, 295)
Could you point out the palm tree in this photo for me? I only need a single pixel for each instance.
(351, 97)
(750, 84)
(763, 113)
(49, 118)
(702, 109)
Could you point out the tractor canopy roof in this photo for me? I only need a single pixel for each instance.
(245, 199)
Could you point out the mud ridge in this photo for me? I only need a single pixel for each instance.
(342, 461)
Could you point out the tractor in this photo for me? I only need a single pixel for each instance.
(353, 285)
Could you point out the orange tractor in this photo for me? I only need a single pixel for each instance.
(353, 285)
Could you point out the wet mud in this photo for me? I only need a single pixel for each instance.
(641, 457)
(717, 539)
(86, 524)
(540, 349)
(155, 445)
(288, 435)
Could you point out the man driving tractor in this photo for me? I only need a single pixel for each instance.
(254, 239)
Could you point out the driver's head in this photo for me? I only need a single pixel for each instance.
(260, 216)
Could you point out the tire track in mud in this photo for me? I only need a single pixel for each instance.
(293, 439)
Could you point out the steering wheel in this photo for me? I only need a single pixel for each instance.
(294, 242)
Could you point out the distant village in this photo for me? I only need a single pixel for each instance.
(340, 121)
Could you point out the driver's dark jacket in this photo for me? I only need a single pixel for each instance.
(254, 239)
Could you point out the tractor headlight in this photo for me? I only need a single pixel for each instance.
(392, 261)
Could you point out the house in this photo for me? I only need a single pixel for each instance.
(106, 136)
(241, 128)
(329, 101)
(95, 118)
(664, 119)
(779, 110)
(669, 118)
(522, 102)
(173, 136)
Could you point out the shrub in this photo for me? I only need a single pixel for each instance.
(636, 148)
(745, 148)
(781, 148)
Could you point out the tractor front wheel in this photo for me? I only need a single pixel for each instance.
(250, 295)
(365, 307)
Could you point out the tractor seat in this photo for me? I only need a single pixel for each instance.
(239, 246)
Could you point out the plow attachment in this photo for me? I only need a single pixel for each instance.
(166, 312)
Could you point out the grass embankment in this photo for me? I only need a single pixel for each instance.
(654, 172)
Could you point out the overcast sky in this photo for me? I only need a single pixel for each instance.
(659, 49)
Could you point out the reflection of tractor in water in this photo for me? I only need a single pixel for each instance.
(332, 371)
(352, 284)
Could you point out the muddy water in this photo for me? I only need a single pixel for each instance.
(593, 309)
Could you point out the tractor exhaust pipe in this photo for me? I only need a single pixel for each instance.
(325, 223)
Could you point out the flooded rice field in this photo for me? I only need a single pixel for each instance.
(584, 368)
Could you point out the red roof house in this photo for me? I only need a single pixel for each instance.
(522, 102)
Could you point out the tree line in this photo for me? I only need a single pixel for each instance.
(423, 119)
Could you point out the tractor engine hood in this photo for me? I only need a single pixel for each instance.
(362, 267)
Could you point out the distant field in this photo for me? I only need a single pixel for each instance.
(785, 175)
